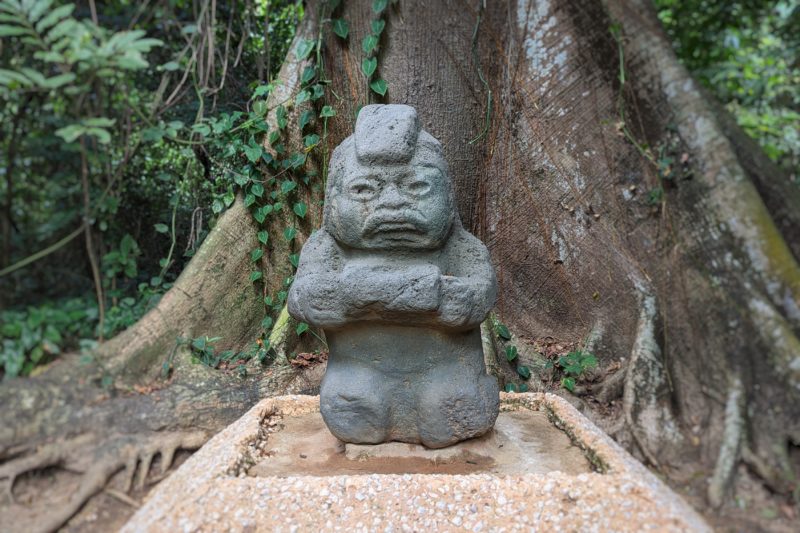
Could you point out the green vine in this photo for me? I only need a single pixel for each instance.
(370, 45)
(477, 61)
(663, 162)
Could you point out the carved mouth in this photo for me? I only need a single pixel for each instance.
(396, 227)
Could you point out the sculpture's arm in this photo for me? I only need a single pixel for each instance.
(316, 296)
(469, 292)
(329, 289)
(379, 290)
(459, 298)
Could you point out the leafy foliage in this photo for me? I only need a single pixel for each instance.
(113, 135)
(36, 335)
(746, 52)
(574, 365)
(370, 45)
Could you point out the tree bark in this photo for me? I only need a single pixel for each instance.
(699, 298)
(695, 299)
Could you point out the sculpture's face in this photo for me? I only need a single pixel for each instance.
(393, 206)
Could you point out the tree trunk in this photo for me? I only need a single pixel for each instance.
(561, 123)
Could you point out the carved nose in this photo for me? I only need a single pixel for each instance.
(392, 198)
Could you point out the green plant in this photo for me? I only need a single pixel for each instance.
(511, 351)
(573, 366)
(203, 352)
(122, 260)
(108, 133)
(514, 387)
(370, 47)
(746, 52)
(67, 59)
(36, 335)
(655, 195)
(202, 349)
(501, 330)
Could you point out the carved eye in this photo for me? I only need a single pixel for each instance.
(421, 182)
(419, 187)
(362, 190)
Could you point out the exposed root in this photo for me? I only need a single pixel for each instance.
(132, 453)
(731, 443)
(489, 349)
(612, 387)
(279, 337)
(140, 458)
(646, 388)
(56, 454)
(768, 457)
(121, 496)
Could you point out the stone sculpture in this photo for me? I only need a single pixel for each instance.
(400, 290)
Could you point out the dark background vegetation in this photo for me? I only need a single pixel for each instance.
(110, 175)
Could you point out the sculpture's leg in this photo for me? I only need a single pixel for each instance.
(354, 402)
(456, 404)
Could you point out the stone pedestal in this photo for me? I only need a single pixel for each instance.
(543, 467)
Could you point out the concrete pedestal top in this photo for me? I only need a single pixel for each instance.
(545, 467)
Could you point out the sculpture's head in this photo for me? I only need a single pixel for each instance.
(389, 186)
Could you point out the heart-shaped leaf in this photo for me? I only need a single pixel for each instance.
(511, 353)
(306, 117)
(369, 65)
(304, 48)
(369, 43)
(502, 332)
(300, 209)
(379, 86)
(308, 74)
(341, 28)
(378, 25)
(253, 152)
(288, 186)
(297, 160)
(260, 108)
(302, 96)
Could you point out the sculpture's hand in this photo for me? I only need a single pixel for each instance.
(468, 295)
(386, 288)
(417, 290)
(462, 304)
(315, 296)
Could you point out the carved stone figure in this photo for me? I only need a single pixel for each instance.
(400, 289)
